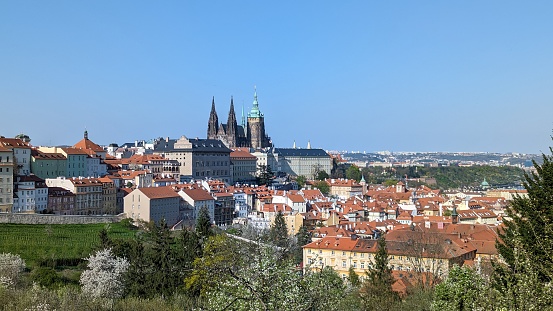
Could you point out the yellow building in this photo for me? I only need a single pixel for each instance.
(407, 250)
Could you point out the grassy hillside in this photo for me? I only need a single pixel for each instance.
(63, 243)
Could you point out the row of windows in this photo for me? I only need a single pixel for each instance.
(88, 189)
(7, 159)
(7, 169)
(354, 254)
(211, 163)
(215, 173)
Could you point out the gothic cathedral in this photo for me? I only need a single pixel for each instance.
(250, 133)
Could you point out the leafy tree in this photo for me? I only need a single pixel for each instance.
(104, 277)
(353, 172)
(376, 291)
(240, 275)
(278, 234)
(338, 169)
(128, 223)
(463, 289)
(11, 267)
(323, 187)
(325, 290)
(301, 181)
(353, 278)
(322, 175)
(390, 182)
(203, 224)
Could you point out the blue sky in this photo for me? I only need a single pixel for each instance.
(346, 75)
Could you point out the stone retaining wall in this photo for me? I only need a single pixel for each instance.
(57, 219)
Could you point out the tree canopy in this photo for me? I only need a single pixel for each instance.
(529, 222)
(353, 172)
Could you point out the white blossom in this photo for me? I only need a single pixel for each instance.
(11, 267)
(104, 277)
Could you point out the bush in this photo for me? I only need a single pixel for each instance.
(46, 277)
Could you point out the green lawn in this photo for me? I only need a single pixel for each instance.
(42, 242)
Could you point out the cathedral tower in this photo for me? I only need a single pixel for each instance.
(256, 126)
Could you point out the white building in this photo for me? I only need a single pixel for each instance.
(6, 181)
(31, 195)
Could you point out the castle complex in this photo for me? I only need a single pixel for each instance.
(250, 133)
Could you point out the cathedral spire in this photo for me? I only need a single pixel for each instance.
(213, 123)
(243, 117)
(231, 125)
(255, 113)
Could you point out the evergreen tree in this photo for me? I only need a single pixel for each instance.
(529, 225)
(203, 224)
(376, 291)
(135, 278)
(188, 249)
(303, 237)
(265, 174)
(105, 241)
(279, 231)
(165, 279)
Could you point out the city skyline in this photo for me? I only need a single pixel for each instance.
(399, 76)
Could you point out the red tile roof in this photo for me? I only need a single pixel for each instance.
(159, 192)
(198, 194)
(86, 143)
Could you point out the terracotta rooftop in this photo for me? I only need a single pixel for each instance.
(159, 192)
